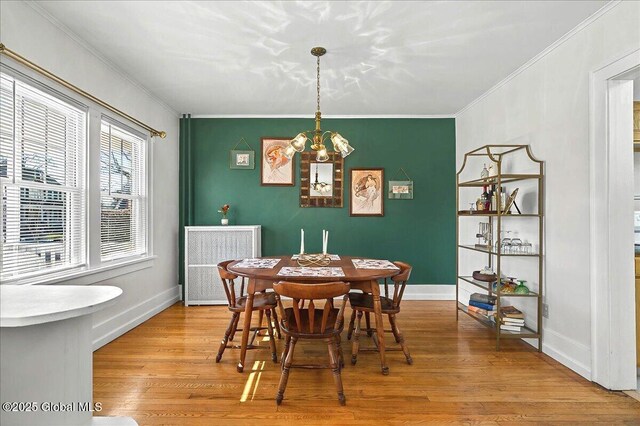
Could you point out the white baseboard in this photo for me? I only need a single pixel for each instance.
(568, 352)
(429, 292)
(115, 327)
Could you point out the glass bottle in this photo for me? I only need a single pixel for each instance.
(494, 196)
(484, 173)
(485, 199)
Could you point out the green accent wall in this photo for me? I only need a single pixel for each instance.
(419, 231)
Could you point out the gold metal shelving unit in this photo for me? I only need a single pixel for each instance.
(499, 155)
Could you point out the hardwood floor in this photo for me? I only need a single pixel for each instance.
(164, 372)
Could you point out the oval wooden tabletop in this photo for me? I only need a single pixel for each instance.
(350, 272)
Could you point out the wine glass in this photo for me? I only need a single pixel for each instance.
(472, 207)
(506, 243)
(516, 245)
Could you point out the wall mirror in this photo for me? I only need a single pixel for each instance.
(321, 183)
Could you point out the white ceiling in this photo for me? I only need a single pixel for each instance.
(384, 58)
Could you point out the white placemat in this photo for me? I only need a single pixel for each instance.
(331, 257)
(257, 263)
(373, 264)
(304, 271)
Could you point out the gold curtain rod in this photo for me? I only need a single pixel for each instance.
(24, 61)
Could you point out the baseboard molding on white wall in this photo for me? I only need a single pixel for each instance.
(115, 327)
(429, 292)
(568, 352)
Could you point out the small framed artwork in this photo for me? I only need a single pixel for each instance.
(401, 190)
(276, 169)
(367, 186)
(242, 159)
(511, 201)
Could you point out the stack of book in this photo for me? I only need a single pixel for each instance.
(511, 319)
(482, 304)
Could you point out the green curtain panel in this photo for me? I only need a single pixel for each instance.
(186, 215)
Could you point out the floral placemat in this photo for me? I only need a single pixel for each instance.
(257, 263)
(304, 271)
(331, 257)
(373, 264)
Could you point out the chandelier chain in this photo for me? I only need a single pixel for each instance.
(318, 83)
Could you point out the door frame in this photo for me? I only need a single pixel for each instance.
(613, 360)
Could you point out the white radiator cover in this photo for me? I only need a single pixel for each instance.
(205, 247)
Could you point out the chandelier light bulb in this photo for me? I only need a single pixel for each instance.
(322, 155)
(341, 145)
(289, 151)
(298, 143)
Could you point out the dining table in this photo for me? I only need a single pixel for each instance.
(263, 278)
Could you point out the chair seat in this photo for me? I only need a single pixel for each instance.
(295, 329)
(261, 301)
(364, 302)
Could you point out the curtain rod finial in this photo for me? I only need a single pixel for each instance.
(2, 47)
(162, 134)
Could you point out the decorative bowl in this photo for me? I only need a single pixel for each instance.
(484, 277)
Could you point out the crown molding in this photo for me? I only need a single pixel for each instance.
(45, 14)
(309, 116)
(582, 25)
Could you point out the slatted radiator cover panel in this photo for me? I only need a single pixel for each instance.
(206, 246)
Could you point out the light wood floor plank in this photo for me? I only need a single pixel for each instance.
(164, 373)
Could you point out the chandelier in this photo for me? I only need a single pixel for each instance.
(298, 143)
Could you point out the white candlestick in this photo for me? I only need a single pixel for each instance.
(324, 242)
(301, 241)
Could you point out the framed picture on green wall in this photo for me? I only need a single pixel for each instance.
(275, 168)
(367, 189)
(401, 190)
(242, 159)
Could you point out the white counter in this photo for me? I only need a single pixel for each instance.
(22, 305)
(46, 357)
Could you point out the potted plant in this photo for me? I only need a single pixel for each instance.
(224, 210)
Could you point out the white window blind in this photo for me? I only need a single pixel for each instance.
(123, 193)
(42, 181)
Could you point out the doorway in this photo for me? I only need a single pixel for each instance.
(613, 322)
(636, 208)
(632, 78)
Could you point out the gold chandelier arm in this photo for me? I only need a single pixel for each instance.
(24, 61)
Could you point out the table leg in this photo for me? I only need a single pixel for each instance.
(377, 308)
(248, 309)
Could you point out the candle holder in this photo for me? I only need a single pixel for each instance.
(317, 259)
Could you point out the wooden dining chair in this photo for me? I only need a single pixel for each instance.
(324, 323)
(362, 303)
(263, 303)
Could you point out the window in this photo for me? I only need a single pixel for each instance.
(73, 191)
(42, 181)
(122, 188)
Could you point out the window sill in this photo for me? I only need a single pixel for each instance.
(86, 276)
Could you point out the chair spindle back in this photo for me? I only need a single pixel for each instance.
(229, 284)
(400, 282)
(311, 292)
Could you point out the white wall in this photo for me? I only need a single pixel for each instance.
(547, 106)
(27, 32)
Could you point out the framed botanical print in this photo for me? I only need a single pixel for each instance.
(242, 159)
(401, 190)
(276, 169)
(366, 192)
